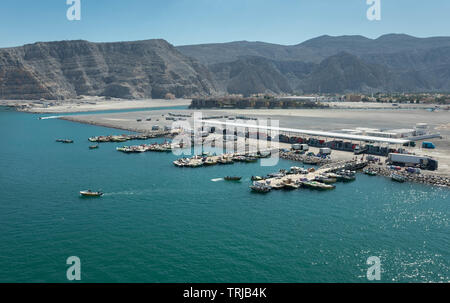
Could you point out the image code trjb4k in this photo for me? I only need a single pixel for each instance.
(224, 142)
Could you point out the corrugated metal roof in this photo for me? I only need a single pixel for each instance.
(312, 132)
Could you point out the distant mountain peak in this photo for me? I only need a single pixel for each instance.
(396, 37)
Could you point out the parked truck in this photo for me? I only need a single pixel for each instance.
(325, 151)
(300, 147)
(413, 160)
(429, 145)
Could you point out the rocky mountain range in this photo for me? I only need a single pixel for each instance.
(390, 63)
(67, 69)
(153, 68)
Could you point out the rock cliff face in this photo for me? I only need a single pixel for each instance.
(153, 68)
(67, 69)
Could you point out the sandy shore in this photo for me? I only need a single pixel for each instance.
(89, 105)
(328, 120)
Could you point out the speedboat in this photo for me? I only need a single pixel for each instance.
(89, 193)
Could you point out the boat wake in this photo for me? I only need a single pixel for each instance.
(217, 179)
(124, 193)
(51, 117)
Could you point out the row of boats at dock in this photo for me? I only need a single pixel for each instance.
(206, 159)
(155, 147)
(281, 180)
(123, 138)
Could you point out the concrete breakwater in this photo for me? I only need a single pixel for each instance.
(123, 138)
(304, 158)
(423, 178)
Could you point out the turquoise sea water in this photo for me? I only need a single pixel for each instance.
(159, 223)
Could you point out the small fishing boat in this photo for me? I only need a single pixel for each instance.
(210, 161)
(89, 193)
(290, 185)
(346, 176)
(232, 178)
(264, 154)
(318, 185)
(277, 185)
(298, 170)
(260, 187)
(332, 175)
(370, 172)
(225, 161)
(398, 178)
(325, 179)
(311, 161)
(250, 159)
(195, 163)
(124, 149)
(257, 178)
(239, 158)
(93, 146)
(180, 162)
(64, 140)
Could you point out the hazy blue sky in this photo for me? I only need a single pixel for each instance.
(204, 21)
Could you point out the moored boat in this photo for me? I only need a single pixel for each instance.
(250, 159)
(264, 154)
(289, 184)
(346, 176)
(370, 172)
(398, 178)
(210, 162)
(93, 146)
(225, 160)
(260, 187)
(318, 185)
(257, 178)
(325, 179)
